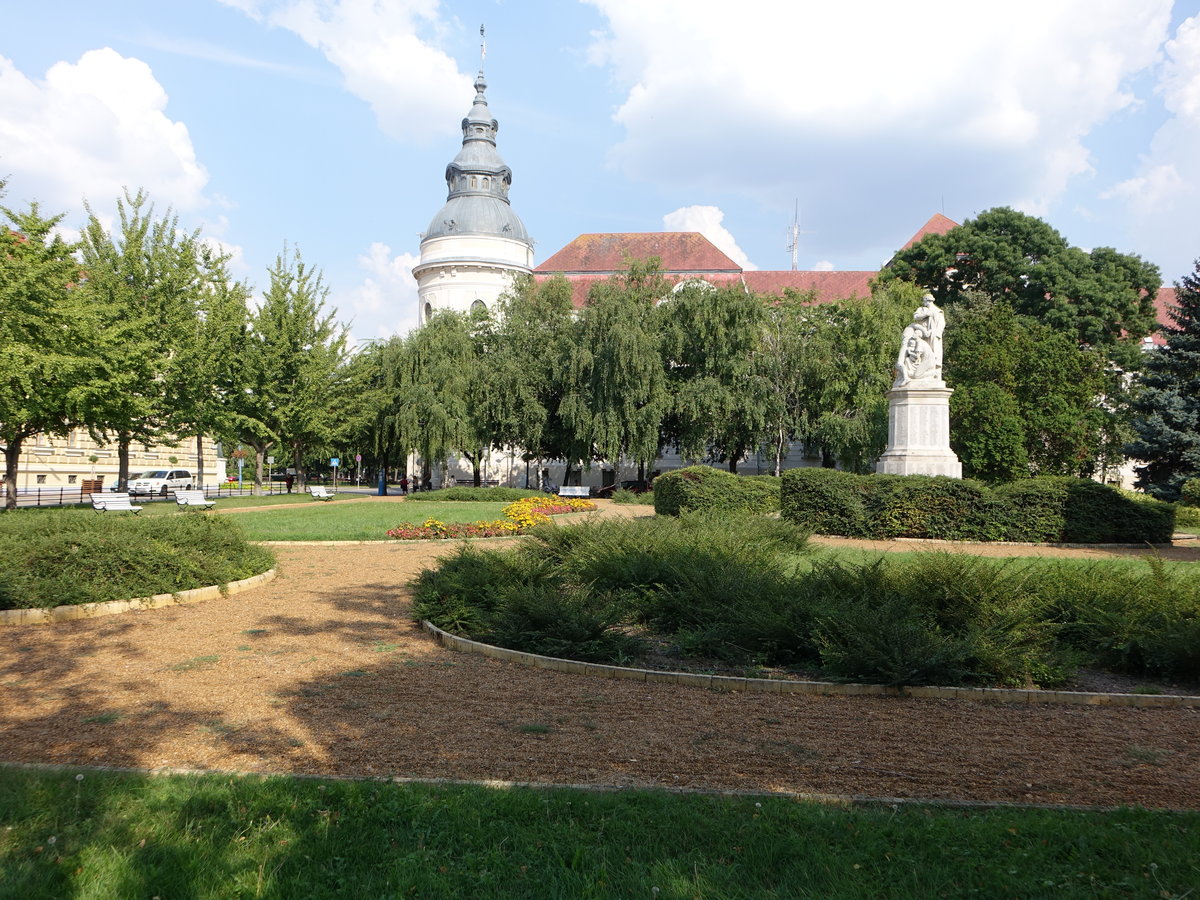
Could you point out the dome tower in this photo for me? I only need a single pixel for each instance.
(476, 243)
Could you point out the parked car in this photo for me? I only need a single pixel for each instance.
(160, 481)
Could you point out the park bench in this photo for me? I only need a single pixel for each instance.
(320, 492)
(114, 502)
(187, 499)
(574, 490)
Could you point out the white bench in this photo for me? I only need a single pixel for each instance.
(319, 492)
(574, 490)
(114, 502)
(187, 499)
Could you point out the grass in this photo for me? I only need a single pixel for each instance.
(356, 521)
(170, 508)
(109, 835)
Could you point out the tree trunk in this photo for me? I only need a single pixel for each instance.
(12, 456)
(779, 455)
(123, 441)
(827, 460)
(567, 474)
(260, 459)
(733, 461)
(477, 466)
(200, 461)
(299, 470)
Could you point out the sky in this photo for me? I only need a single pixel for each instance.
(326, 125)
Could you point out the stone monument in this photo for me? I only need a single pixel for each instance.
(919, 402)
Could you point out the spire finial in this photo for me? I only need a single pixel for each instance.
(482, 47)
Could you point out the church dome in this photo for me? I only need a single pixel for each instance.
(478, 180)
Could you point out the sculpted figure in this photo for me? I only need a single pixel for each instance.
(921, 344)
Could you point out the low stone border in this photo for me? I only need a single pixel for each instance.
(777, 686)
(113, 607)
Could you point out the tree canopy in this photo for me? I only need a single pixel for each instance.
(1098, 297)
(1166, 404)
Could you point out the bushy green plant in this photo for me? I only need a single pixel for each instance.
(1045, 509)
(478, 494)
(705, 488)
(1189, 494)
(71, 556)
(573, 622)
(621, 495)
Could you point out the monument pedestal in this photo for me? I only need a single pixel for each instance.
(919, 432)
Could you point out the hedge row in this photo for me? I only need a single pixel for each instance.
(1190, 494)
(705, 488)
(1046, 509)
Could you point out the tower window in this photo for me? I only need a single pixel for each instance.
(479, 307)
(428, 311)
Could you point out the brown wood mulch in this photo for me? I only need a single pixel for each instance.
(322, 672)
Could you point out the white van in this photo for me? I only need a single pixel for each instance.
(160, 481)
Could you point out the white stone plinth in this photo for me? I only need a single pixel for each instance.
(919, 432)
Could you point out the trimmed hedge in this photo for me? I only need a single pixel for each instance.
(1046, 509)
(705, 488)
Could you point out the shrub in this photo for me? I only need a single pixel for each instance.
(1045, 509)
(70, 556)
(705, 488)
(621, 495)
(478, 494)
(1189, 494)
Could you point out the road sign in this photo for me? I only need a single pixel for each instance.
(358, 457)
(335, 462)
(270, 460)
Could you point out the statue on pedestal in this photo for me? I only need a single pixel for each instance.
(920, 356)
(919, 402)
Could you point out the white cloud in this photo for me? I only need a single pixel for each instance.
(1160, 200)
(385, 303)
(907, 99)
(707, 220)
(823, 266)
(93, 128)
(387, 54)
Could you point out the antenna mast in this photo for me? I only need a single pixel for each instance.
(482, 47)
(793, 238)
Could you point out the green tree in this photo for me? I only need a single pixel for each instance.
(843, 372)
(289, 366)
(444, 387)
(1099, 298)
(45, 336)
(1027, 399)
(205, 369)
(720, 393)
(529, 370)
(142, 283)
(616, 396)
(1167, 403)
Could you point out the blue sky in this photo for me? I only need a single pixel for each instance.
(328, 123)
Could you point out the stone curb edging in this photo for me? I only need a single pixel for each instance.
(501, 784)
(773, 686)
(114, 607)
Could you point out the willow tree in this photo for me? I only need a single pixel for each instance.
(721, 398)
(616, 395)
(528, 371)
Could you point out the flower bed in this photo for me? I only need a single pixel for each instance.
(520, 517)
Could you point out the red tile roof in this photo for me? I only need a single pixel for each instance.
(937, 224)
(581, 285)
(681, 252)
(1164, 299)
(829, 286)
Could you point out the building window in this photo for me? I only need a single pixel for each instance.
(486, 184)
(428, 311)
(479, 306)
(474, 182)
(41, 479)
(71, 479)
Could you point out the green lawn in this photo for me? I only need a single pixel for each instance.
(314, 521)
(97, 835)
